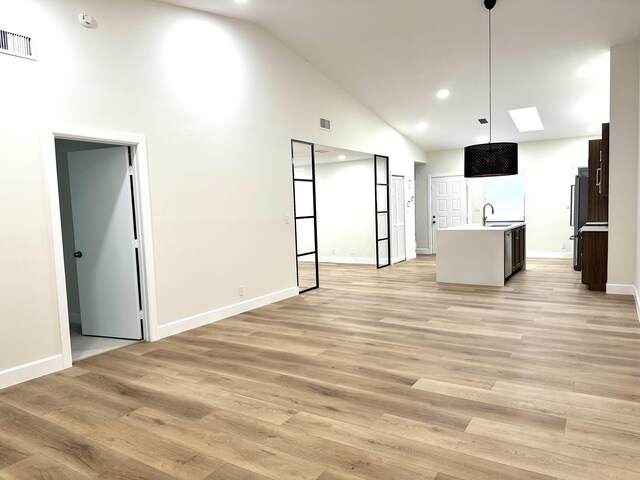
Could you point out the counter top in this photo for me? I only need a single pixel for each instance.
(478, 227)
(594, 228)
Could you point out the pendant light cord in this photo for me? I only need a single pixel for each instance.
(490, 99)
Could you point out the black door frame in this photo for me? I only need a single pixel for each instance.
(306, 217)
(377, 184)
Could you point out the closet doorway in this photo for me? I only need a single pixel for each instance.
(98, 199)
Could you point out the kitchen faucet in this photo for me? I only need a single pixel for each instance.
(484, 213)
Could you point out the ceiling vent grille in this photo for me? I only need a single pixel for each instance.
(325, 124)
(15, 44)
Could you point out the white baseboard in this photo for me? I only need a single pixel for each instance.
(618, 289)
(637, 299)
(549, 254)
(31, 370)
(350, 260)
(74, 318)
(212, 316)
(423, 251)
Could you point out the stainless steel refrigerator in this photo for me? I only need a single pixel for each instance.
(578, 213)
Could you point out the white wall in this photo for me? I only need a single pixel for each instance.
(623, 167)
(346, 212)
(549, 169)
(636, 289)
(218, 101)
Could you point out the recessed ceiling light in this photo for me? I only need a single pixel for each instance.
(526, 119)
(342, 157)
(483, 139)
(444, 93)
(422, 126)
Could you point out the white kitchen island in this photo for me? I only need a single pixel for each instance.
(479, 255)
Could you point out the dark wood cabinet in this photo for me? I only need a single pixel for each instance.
(594, 258)
(518, 248)
(594, 239)
(603, 187)
(598, 204)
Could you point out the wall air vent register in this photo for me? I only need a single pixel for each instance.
(16, 44)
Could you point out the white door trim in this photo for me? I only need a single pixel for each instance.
(429, 206)
(143, 220)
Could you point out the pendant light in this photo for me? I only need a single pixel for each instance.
(490, 159)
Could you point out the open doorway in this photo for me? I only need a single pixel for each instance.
(101, 245)
(342, 209)
(345, 203)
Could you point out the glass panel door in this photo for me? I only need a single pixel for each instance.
(304, 207)
(383, 227)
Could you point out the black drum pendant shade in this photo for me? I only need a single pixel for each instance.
(491, 159)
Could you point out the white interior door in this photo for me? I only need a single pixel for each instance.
(398, 239)
(102, 209)
(448, 204)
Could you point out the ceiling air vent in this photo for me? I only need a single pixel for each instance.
(15, 44)
(325, 124)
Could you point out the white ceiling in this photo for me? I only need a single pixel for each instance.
(394, 55)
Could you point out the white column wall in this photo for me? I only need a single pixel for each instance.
(623, 167)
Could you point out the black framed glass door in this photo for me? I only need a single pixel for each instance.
(304, 207)
(383, 226)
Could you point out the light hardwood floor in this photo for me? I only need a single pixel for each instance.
(382, 375)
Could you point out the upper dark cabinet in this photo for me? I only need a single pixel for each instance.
(598, 205)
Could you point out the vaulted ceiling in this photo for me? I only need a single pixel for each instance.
(394, 55)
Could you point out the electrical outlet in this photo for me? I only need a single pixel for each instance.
(287, 219)
(241, 291)
(564, 245)
(333, 251)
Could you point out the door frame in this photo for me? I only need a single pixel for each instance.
(404, 215)
(315, 214)
(430, 178)
(376, 184)
(142, 205)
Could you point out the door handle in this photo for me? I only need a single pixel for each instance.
(77, 254)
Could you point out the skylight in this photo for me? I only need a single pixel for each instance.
(526, 119)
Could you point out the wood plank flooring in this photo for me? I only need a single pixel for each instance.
(382, 375)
